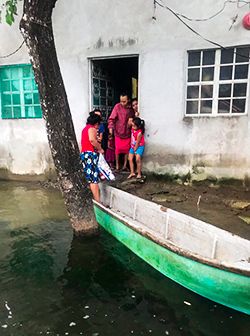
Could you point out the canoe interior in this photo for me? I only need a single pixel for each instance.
(195, 237)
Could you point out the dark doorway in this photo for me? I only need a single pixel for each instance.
(110, 77)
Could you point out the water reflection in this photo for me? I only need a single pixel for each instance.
(24, 205)
(54, 285)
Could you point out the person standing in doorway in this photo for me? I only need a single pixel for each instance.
(119, 127)
(110, 152)
(134, 104)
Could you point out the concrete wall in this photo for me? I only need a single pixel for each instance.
(216, 146)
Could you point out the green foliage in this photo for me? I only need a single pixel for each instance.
(8, 9)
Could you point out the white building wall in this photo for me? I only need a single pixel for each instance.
(216, 146)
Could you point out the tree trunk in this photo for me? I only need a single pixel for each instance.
(36, 28)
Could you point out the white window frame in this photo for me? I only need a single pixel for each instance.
(215, 83)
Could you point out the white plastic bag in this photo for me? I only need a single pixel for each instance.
(104, 168)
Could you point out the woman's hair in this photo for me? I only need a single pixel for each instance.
(93, 119)
(96, 111)
(139, 123)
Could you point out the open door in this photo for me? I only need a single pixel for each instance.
(109, 78)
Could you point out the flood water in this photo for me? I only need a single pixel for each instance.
(52, 284)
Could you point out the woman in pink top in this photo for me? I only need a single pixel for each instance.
(137, 146)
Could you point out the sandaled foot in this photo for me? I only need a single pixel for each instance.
(138, 177)
(131, 176)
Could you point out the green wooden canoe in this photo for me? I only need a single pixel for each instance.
(205, 259)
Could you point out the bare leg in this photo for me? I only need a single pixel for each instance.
(138, 163)
(131, 165)
(117, 161)
(94, 187)
(125, 161)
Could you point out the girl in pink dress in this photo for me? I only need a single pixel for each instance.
(137, 146)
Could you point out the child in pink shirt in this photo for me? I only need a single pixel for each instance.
(137, 146)
(110, 152)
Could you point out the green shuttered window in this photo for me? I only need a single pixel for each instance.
(19, 96)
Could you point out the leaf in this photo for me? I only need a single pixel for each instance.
(10, 7)
(9, 18)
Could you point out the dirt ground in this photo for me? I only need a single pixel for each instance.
(225, 206)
